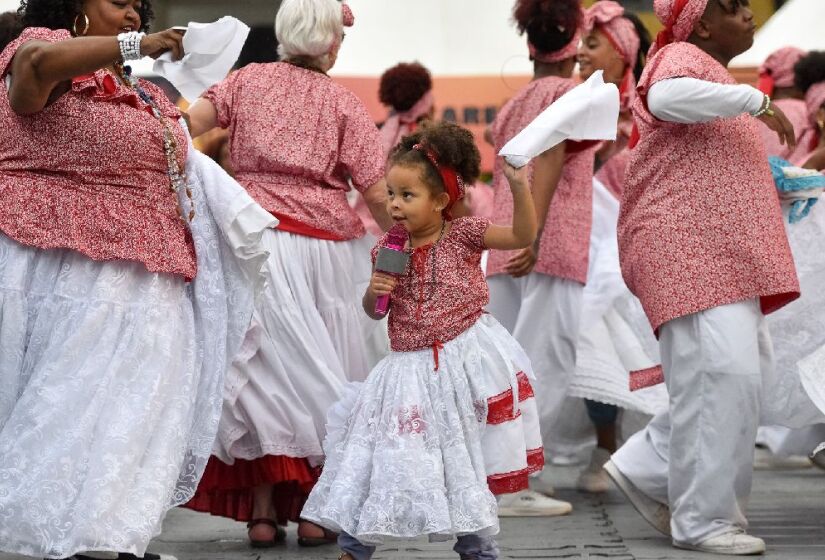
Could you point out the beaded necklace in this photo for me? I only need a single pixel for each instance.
(177, 176)
(419, 270)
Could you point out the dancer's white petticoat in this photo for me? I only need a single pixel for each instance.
(615, 337)
(798, 333)
(304, 346)
(111, 378)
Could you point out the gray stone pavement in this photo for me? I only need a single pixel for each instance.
(787, 509)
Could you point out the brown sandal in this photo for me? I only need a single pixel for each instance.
(328, 538)
(280, 534)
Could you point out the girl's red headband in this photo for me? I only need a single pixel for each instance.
(453, 183)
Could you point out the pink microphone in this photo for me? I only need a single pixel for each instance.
(391, 259)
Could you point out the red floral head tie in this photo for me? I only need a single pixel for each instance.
(678, 17)
(346, 13)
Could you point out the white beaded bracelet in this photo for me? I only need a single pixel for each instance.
(130, 45)
(765, 109)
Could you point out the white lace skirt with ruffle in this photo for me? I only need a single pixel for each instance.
(111, 378)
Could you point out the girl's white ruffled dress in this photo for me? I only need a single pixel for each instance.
(416, 448)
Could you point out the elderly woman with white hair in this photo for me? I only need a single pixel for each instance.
(297, 141)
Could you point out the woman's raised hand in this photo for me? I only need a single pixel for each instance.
(155, 44)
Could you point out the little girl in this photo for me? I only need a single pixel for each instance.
(405, 450)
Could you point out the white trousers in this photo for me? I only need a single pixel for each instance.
(542, 312)
(698, 457)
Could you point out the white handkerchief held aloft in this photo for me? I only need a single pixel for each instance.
(211, 50)
(589, 111)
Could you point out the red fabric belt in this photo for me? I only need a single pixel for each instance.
(292, 225)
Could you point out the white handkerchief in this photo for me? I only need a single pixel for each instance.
(590, 111)
(211, 51)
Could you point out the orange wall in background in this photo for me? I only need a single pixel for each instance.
(470, 101)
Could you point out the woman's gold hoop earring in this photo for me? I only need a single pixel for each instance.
(85, 28)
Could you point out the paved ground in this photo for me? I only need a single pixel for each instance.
(787, 510)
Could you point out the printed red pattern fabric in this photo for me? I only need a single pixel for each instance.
(565, 243)
(700, 224)
(296, 138)
(424, 314)
(68, 177)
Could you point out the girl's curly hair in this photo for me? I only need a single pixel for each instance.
(453, 145)
(61, 14)
(550, 24)
(403, 85)
(809, 70)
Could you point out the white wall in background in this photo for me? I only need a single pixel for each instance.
(799, 23)
(451, 37)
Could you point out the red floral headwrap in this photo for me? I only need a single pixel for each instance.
(568, 51)
(607, 15)
(777, 70)
(678, 17)
(346, 12)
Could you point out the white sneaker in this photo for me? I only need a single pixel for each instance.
(529, 503)
(655, 513)
(594, 479)
(818, 456)
(735, 543)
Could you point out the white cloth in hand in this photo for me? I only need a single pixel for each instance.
(590, 111)
(211, 50)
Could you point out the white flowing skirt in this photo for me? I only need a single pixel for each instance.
(307, 341)
(110, 378)
(408, 451)
(798, 333)
(615, 337)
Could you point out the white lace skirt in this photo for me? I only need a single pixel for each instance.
(306, 343)
(405, 450)
(110, 379)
